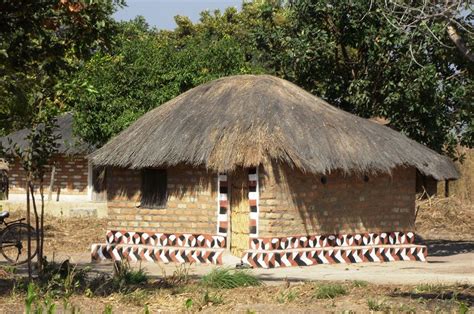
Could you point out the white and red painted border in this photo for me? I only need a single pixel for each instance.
(332, 240)
(156, 239)
(135, 253)
(340, 255)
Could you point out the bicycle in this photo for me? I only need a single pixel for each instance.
(14, 239)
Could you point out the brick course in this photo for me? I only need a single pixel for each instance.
(293, 203)
(70, 178)
(191, 206)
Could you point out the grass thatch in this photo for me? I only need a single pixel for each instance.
(248, 120)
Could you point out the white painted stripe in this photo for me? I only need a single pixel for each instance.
(253, 195)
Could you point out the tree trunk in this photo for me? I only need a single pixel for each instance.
(41, 239)
(459, 42)
(30, 276)
(39, 261)
(51, 183)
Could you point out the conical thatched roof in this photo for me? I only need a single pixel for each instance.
(248, 120)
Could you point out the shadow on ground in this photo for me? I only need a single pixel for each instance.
(448, 247)
(463, 293)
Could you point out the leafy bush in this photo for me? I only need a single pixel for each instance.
(224, 278)
(330, 291)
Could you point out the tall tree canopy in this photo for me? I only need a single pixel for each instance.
(366, 57)
(146, 69)
(40, 43)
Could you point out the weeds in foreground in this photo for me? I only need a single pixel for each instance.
(430, 288)
(360, 283)
(225, 278)
(286, 296)
(137, 297)
(377, 305)
(207, 299)
(330, 291)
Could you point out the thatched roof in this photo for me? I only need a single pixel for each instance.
(68, 142)
(248, 120)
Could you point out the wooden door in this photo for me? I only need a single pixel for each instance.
(239, 209)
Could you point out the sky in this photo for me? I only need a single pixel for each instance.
(160, 13)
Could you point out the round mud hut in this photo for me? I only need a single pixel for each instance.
(256, 166)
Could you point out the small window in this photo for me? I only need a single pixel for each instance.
(154, 190)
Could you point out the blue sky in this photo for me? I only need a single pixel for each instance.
(160, 13)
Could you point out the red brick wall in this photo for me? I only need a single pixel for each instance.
(293, 203)
(191, 205)
(70, 177)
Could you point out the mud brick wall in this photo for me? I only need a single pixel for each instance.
(70, 177)
(293, 203)
(191, 206)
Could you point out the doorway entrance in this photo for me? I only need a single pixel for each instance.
(239, 212)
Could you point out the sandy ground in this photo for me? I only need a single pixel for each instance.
(452, 269)
(450, 260)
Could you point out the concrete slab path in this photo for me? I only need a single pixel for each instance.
(452, 269)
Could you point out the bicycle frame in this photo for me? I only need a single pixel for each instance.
(11, 223)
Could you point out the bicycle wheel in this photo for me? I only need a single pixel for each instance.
(14, 243)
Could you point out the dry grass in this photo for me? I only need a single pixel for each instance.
(248, 120)
(445, 218)
(193, 298)
(70, 235)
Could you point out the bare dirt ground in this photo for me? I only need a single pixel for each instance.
(444, 284)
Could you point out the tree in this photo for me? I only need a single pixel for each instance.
(146, 69)
(351, 54)
(41, 42)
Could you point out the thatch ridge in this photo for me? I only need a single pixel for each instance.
(247, 120)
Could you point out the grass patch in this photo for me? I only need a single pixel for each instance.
(377, 305)
(430, 288)
(137, 297)
(330, 291)
(360, 283)
(286, 296)
(224, 278)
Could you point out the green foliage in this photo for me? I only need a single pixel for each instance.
(224, 278)
(146, 69)
(40, 43)
(126, 276)
(211, 299)
(188, 304)
(108, 309)
(347, 53)
(351, 55)
(62, 279)
(329, 291)
(463, 308)
(31, 297)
